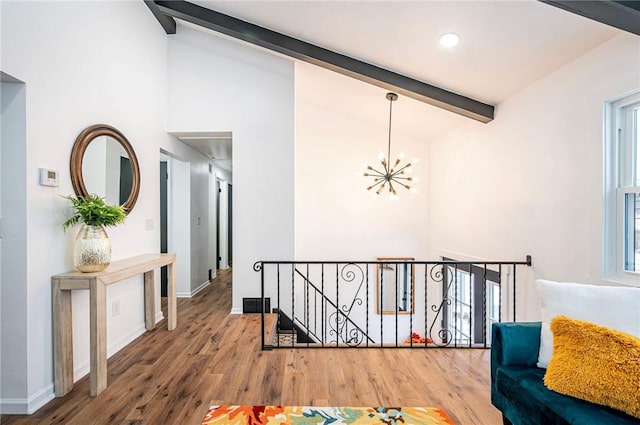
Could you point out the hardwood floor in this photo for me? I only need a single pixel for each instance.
(215, 358)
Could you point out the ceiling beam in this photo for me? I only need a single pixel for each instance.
(167, 22)
(327, 59)
(624, 15)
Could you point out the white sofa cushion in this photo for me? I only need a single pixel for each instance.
(614, 307)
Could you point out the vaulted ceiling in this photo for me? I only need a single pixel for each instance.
(505, 45)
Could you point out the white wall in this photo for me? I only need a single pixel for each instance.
(530, 182)
(221, 85)
(179, 223)
(13, 270)
(336, 218)
(96, 62)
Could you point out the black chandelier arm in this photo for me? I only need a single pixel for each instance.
(378, 173)
(403, 178)
(402, 169)
(375, 184)
(403, 185)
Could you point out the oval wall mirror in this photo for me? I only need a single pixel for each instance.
(104, 163)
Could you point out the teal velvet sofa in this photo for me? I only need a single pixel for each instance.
(518, 392)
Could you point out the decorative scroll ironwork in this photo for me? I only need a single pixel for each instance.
(341, 326)
(444, 335)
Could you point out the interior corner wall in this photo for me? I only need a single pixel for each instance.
(96, 62)
(530, 182)
(218, 84)
(13, 269)
(336, 218)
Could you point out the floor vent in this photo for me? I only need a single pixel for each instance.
(252, 305)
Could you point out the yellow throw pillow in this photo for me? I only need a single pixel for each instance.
(596, 364)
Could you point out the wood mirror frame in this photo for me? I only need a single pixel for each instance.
(77, 154)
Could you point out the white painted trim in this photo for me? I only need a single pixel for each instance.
(236, 310)
(159, 316)
(14, 406)
(83, 369)
(17, 406)
(23, 406)
(200, 287)
(193, 292)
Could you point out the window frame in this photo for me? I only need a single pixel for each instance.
(619, 176)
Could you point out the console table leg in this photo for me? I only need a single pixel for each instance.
(98, 336)
(62, 340)
(149, 300)
(172, 305)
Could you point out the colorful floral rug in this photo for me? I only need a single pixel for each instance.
(305, 415)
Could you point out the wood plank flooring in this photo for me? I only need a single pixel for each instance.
(215, 358)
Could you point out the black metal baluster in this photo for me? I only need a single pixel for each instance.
(484, 307)
(324, 304)
(306, 325)
(472, 293)
(381, 268)
(337, 305)
(426, 302)
(262, 318)
(367, 306)
(411, 282)
(279, 312)
(315, 313)
(293, 306)
(456, 302)
(396, 304)
(514, 292)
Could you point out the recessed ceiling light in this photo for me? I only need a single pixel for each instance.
(449, 39)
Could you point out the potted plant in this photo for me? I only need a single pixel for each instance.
(92, 249)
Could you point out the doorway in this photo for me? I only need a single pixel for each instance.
(223, 224)
(175, 225)
(164, 246)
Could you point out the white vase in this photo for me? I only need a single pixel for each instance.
(92, 249)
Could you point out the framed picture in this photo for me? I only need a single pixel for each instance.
(395, 288)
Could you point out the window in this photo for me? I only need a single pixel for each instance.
(475, 303)
(622, 188)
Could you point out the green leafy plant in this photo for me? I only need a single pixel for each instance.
(93, 211)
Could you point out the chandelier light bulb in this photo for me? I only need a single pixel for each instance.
(401, 155)
(380, 155)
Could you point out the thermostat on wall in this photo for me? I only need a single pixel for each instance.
(49, 177)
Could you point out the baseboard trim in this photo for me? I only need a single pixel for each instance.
(236, 310)
(193, 292)
(200, 287)
(83, 369)
(23, 406)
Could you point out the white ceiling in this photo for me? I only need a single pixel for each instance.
(505, 46)
(214, 145)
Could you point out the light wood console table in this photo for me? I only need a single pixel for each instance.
(96, 283)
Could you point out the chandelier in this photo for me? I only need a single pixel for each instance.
(390, 176)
